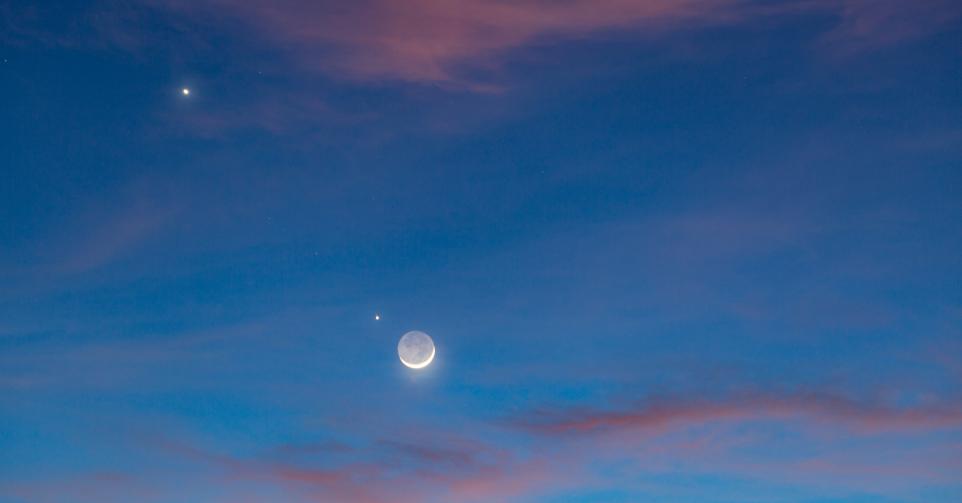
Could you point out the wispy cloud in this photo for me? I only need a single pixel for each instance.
(434, 41)
(454, 43)
(431, 470)
(427, 41)
(100, 231)
(870, 24)
(95, 486)
(661, 414)
(460, 45)
(545, 452)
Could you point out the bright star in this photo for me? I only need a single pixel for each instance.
(185, 91)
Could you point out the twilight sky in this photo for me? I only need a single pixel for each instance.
(671, 251)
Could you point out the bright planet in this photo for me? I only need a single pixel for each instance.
(416, 349)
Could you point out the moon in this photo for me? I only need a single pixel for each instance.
(416, 349)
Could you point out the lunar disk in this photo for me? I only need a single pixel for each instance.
(416, 349)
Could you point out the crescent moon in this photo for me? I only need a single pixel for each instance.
(423, 364)
(416, 349)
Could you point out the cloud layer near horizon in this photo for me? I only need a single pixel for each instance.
(561, 450)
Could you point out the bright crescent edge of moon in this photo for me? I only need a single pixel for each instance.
(420, 365)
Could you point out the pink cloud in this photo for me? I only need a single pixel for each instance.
(116, 235)
(664, 414)
(868, 24)
(435, 41)
(102, 231)
(414, 470)
(458, 44)
(431, 41)
(94, 486)
(426, 40)
(563, 449)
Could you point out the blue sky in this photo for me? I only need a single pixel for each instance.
(668, 251)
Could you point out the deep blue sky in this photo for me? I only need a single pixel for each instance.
(684, 251)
